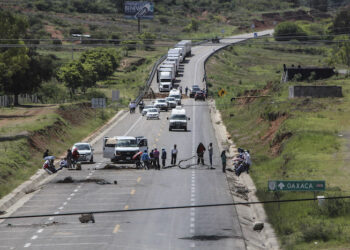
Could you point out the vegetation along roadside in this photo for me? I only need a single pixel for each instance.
(290, 139)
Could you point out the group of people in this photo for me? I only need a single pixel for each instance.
(242, 162)
(68, 162)
(151, 160)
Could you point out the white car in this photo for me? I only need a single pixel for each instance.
(152, 113)
(86, 152)
(161, 104)
(171, 101)
(146, 108)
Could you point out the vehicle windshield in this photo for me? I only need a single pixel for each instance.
(161, 100)
(178, 117)
(195, 88)
(170, 99)
(82, 147)
(153, 110)
(176, 96)
(148, 107)
(165, 80)
(126, 143)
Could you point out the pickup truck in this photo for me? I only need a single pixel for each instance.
(121, 149)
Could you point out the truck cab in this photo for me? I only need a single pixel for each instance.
(178, 119)
(121, 149)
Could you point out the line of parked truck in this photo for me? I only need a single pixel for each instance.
(168, 70)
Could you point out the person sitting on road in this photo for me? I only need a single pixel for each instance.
(49, 166)
(200, 153)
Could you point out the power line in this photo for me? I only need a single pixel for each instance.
(173, 207)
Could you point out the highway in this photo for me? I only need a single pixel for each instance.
(194, 228)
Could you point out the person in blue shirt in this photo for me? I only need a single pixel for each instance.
(145, 158)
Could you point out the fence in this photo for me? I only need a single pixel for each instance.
(8, 100)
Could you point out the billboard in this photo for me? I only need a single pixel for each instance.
(136, 10)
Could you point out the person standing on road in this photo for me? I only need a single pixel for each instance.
(174, 152)
(163, 157)
(69, 158)
(210, 151)
(151, 156)
(180, 90)
(200, 153)
(186, 90)
(156, 159)
(247, 161)
(223, 160)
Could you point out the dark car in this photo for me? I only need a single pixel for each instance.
(194, 89)
(199, 96)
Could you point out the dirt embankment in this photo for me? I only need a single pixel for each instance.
(72, 115)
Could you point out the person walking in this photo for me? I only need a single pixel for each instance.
(223, 160)
(200, 153)
(69, 157)
(174, 152)
(156, 158)
(163, 157)
(210, 151)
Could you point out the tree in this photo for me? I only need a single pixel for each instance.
(344, 53)
(71, 75)
(286, 31)
(341, 22)
(147, 39)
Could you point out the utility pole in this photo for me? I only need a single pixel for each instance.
(139, 24)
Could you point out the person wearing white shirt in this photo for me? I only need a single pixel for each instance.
(174, 152)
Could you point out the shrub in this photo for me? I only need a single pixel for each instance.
(287, 31)
(319, 231)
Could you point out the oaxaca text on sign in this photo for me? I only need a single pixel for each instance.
(296, 185)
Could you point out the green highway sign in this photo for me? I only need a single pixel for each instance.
(296, 185)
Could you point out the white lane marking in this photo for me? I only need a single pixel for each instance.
(192, 219)
(27, 245)
(87, 177)
(60, 208)
(193, 214)
(193, 244)
(192, 231)
(75, 190)
(192, 225)
(68, 199)
(90, 174)
(72, 194)
(56, 212)
(34, 237)
(51, 218)
(65, 203)
(193, 184)
(193, 195)
(193, 199)
(133, 126)
(192, 208)
(79, 186)
(40, 230)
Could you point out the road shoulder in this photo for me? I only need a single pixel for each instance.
(243, 190)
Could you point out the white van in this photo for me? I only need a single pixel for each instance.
(176, 94)
(178, 119)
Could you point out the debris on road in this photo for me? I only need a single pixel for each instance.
(258, 226)
(69, 179)
(86, 218)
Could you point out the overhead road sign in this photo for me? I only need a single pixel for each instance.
(296, 185)
(138, 10)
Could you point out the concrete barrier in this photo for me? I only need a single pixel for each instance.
(315, 91)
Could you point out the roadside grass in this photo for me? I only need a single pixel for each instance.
(19, 159)
(289, 139)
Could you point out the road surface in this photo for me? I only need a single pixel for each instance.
(194, 228)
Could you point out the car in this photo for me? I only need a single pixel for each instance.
(152, 113)
(176, 94)
(161, 104)
(171, 101)
(146, 108)
(178, 119)
(199, 96)
(193, 91)
(86, 152)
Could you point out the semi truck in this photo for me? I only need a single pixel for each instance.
(175, 53)
(186, 45)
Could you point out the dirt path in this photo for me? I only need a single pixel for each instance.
(24, 114)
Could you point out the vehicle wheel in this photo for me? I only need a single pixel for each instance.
(92, 159)
(147, 118)
(185, 129)
(169, 129)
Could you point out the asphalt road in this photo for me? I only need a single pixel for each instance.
(194, 228)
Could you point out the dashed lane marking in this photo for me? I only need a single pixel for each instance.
(40, 230)
(132, 191)
(34, 237)
(27, 245)
(116, 229)
(126, 207)
(138, 179)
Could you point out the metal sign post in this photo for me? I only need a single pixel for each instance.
(138, 10)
